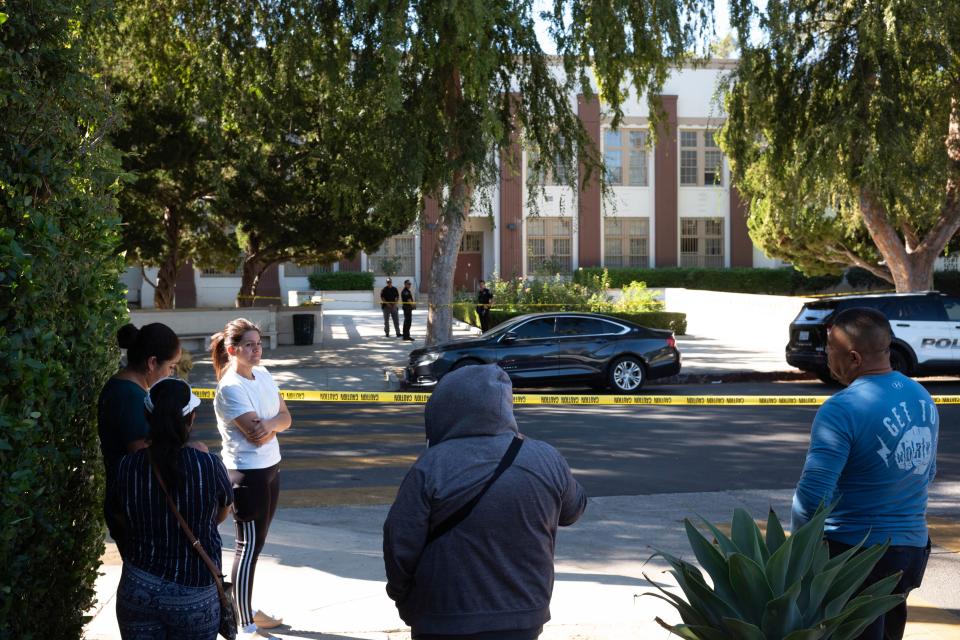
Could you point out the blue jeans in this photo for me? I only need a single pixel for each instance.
(913, 562)
(150, 608)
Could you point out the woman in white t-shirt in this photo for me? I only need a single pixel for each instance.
(250, 413)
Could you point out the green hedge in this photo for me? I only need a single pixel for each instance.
(342, 281)
(61, 303)
(673, 321)
(739, 280)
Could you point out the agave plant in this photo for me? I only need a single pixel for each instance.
(775, 587)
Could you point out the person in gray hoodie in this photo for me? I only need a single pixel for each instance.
(491, 575)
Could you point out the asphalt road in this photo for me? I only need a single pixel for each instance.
(359, 453)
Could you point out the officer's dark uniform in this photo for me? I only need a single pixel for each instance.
(406, 297)
(388, 302)
(484, 296)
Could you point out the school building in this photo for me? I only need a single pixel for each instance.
(673, 205)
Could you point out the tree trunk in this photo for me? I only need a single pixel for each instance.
(163, 295)
(445, 252)
(450, 229)
(253, 268)
(911, 265)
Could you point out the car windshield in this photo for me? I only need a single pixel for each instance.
(507, 325)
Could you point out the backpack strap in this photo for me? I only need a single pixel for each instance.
(464, 511)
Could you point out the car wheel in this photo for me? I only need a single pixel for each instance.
(627, 374)
(899, 361)
(466, 362)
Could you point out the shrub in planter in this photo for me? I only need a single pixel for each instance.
(342, 281)
(773, 587)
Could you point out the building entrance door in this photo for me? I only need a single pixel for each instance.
(469, 262)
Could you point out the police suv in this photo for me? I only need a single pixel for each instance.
(926, 332)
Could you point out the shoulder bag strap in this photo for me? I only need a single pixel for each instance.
(186, 529)
(464, 511)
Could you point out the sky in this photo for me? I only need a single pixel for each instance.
(721, 13)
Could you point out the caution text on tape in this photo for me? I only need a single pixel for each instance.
(401, 397)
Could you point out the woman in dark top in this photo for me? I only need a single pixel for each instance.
(166, 590)
(153, 352)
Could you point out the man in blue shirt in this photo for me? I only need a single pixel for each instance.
(873, 447)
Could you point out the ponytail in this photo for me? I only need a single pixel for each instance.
(218, 353)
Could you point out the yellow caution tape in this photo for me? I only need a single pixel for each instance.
(401, 397)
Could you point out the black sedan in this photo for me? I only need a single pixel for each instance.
(547, 349)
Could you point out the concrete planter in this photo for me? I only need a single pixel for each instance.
(195, 326)
(348, 300)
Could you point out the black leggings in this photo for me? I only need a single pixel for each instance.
(255, 497)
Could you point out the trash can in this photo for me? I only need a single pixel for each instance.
(303, 328)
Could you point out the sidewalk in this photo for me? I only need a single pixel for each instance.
(322, 569)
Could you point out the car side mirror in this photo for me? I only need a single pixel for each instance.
(508, 338)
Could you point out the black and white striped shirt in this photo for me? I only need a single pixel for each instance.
(155, 542)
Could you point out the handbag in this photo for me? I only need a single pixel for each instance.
(229, 613)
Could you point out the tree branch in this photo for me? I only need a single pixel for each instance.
(911, 236)
(143, 274)
(854, 259)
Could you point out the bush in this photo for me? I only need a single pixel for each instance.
(787, 281)
(342, 281)
(61, 303)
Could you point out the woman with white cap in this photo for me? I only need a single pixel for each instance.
(250, 413)
(167, 589)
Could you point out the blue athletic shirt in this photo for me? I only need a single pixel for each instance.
(155, 542)
(873, 446)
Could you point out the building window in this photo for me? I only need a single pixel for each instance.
(626, 242)
(294, 270)
(396, 251)
(549, 245)
(701, 161)
(625, 155)
(556, 177)
(701, 242)
(471, 242)
(220, 273)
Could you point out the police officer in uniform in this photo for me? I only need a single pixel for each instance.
(388, 302)
(484, 297)
(409, 304)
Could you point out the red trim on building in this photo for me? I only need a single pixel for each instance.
(666, 169)
(590, 226)
(185, 292)
(511, 211)
(268, 289)
(741, 246)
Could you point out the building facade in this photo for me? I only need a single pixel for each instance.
(672, 205)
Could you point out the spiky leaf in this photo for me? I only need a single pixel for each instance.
(863, 613)
(712, 561)
(750, 584)
(775, 535)
(743, 630)
(782, 615)
(851, 576)
(746, 535)
(777, 566)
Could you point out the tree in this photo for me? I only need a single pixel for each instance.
(316, 165)
(171, 169)
(60, 306)
(844, 133)
(160, 62)
(245, 138)
(471, 78)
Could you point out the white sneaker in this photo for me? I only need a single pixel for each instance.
(266, 621)
(254, 634)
